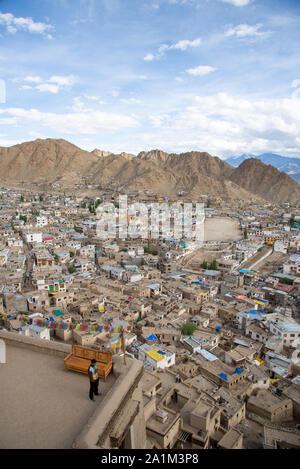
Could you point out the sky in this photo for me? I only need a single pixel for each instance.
(221, 76)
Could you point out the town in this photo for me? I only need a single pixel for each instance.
(206, 338)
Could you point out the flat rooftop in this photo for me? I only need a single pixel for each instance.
(42, 405)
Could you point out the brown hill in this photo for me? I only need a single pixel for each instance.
(195, 173)
(44, 160)
(266, 181)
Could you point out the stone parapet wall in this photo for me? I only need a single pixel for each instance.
(98, 428)
(35, 344)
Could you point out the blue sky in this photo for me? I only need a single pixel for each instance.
(221, 76)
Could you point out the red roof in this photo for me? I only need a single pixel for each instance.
(284, 287)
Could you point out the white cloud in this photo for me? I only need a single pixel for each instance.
(183, 45)
(54, 84)
(78, 104)
(201, 70)
(240, 31)
(238, 3)
(80, 122)
(48, 87)
(140, 77)
(149, 57)
(296, 93)
(131, 101)
(295, 83)
(245, 30)
(115, 93)
(14, 24)
(159, 120)
(26, 87)
(223, 124)
(63, 81)
(33, 79)
(94, 98)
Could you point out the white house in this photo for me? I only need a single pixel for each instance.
(88, 251)
(4, 256)
(129, 276)
(280, 246)
(36, 331)
(41, 220)
(156, 357)
(34, 237)
(289, 332)
(15, 242)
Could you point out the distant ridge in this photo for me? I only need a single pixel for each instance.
(290, 166)
(194, 173)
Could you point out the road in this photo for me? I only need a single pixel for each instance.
(257, 258)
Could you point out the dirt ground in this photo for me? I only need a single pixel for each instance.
(222, 229)
(195, 259)
(274, 261)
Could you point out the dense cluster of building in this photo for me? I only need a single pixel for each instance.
(219, 341)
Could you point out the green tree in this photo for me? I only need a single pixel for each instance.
(188, 328)
(213, 265)
(72, 254)
(92, 207)
(286, 281)
(245, 233)
(204, 265)
(97, 203)
(21, 199)
(34, 212)
(71, 270)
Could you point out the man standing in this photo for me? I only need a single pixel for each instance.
(94, 379)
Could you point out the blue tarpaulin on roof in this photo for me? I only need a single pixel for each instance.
(200, 283)
(151, 337)
(218, 328)
(161, 353)
(238, 371)
(223, 376)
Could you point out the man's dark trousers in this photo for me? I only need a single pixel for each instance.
(94, 388)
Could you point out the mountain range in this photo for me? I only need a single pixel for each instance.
(195, 173)
(290, 166)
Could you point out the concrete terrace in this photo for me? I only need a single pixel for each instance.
(41, 404)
